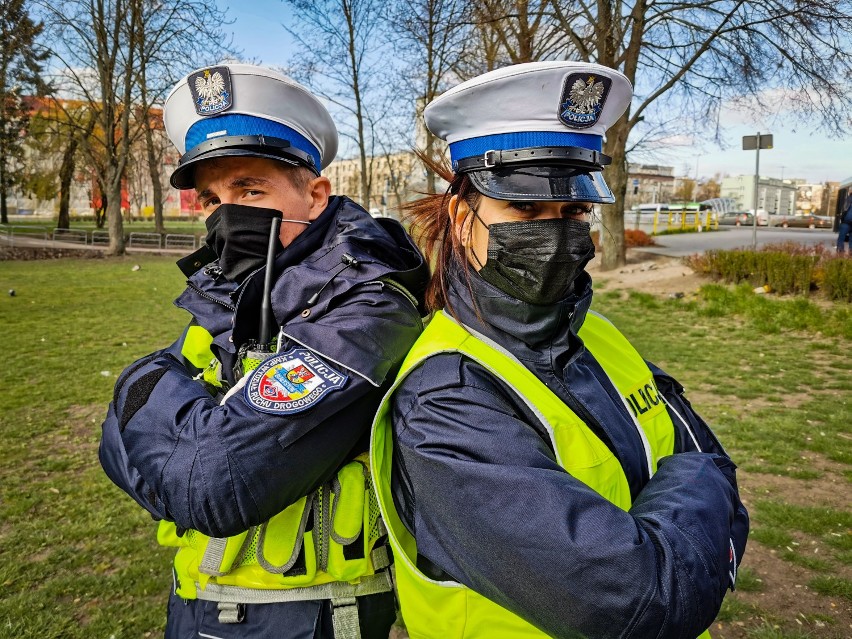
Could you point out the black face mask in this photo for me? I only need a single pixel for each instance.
(537, 261)
(240, 237)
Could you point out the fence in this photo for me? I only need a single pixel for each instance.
(70, 235)
(96, 238)
(28, 232)
(176, 241)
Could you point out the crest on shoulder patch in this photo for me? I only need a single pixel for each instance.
(291, 382)
(211, 90)
(583, 97)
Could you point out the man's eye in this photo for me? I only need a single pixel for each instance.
(254, 192)
(213, 201)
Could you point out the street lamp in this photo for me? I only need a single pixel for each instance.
(755, 143)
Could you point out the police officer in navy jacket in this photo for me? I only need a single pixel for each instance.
(252, 454)
(537, 476)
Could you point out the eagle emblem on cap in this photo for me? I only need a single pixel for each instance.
(582, 100)
(211, 90)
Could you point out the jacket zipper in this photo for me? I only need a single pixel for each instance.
(210, 298)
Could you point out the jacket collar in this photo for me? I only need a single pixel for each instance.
(311, 261)
(527, 330)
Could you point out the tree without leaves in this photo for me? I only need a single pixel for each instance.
(699, 55)
(54, 131)
(99, 39)
(339, 60)
(523, 30)
(176, 36)
(433, 35)
(20, 73)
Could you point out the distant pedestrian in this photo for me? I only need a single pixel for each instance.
(844, 233)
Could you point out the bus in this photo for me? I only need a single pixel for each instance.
(662, 207)
(663, 216)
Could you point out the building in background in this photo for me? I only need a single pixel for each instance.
(394, 179)
(43, 157)
(776, 197)
(816, 199)
(649, 184)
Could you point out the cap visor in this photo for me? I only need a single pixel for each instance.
(554, 183)
(184, 176)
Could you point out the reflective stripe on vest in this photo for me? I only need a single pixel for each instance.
(450, 610)
(280, 553)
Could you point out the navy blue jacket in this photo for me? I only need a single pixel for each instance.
(221, 469)
(476, 481)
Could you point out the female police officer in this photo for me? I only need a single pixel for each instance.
(538, 477)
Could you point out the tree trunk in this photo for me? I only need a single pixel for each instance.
(430, 153)
(612, 233)
(66, 174)
(156, 182)
(113, 215)
(4, 213)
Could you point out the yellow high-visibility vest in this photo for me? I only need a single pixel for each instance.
(450, 610)
(342, 521)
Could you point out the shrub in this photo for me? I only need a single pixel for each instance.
(786, 268)
(637, 238)
(631, 239)
(837, 279)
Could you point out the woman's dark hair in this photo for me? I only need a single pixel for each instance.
(432, 228)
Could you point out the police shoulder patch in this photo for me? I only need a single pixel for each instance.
(582, 100)
(211, 90)
(291, 382)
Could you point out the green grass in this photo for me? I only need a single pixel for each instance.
(747, 581)
(76, 555)
(833, 587)
(78, 558)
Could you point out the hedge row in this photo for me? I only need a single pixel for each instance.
(784, 268)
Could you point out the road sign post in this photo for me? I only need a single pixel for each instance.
(756, 142)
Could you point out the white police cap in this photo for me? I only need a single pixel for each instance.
(245, 110)
(533, 131)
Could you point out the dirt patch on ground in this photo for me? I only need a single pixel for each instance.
(786, 601)
(830, 489)
(649, 273)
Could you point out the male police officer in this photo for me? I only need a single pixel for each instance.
(260, 477)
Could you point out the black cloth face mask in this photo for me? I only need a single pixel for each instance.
(537, 261)
(240, 237)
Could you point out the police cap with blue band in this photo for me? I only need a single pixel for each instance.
(533, 131)
(245, 110)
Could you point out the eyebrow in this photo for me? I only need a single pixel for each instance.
(237, 183)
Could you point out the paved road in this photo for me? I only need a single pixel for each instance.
(730, 238)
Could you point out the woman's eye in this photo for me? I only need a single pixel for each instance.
(523, 206)
(578, 210)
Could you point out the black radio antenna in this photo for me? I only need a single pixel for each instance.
(267, 319)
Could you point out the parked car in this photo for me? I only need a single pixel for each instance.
(736, 218)
(805, 221)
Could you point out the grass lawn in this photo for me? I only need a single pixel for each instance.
(78, 558)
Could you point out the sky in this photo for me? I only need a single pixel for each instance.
(800, 151)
